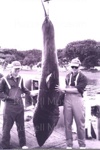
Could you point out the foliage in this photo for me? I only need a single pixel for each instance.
(29, 57)
(32, 57)
(90, 61)
(88, 52)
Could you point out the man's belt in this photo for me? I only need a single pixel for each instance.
(17, 101)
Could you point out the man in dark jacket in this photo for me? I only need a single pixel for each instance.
(12, 88)
(1, 75)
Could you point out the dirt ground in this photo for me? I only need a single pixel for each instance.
(55, 141)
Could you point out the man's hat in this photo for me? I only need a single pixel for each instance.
(16, 64)
(75, 62)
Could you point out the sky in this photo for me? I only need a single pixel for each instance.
(73, 20)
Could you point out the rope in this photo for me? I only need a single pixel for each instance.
(46, 13)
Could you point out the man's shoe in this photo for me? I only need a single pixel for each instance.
(82, 147)
(68, 147)
(24, 147)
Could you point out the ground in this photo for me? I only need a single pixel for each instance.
(56, 140)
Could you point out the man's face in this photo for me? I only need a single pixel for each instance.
(74, 69)
(15, 71)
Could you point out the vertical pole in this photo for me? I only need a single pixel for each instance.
(48, 8)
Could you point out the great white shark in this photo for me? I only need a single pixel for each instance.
(47, 110)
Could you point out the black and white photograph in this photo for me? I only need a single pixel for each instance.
(49, 74)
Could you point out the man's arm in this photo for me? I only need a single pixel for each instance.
(79, 88)
(3, 95)
(68, 89)
(83, 81)
(71, 89)
(24, 89)
(74, 89)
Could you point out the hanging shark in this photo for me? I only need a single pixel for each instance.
(46, 114)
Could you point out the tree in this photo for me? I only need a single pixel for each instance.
(83, 50)
(31, 65)
(25, 57)
(90, 61)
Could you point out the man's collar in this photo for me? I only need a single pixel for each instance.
(11, 76)
(74, 74)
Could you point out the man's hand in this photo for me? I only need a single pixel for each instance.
(34, 92)
(59, 89)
